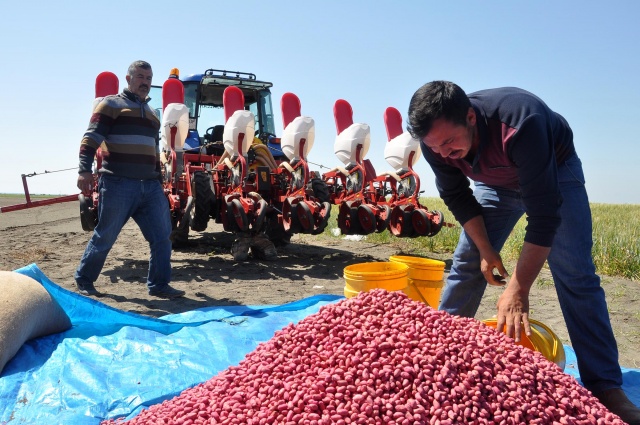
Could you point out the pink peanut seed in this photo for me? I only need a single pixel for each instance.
(383, 358)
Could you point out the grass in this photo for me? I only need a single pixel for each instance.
(616, 238)
(31, 195)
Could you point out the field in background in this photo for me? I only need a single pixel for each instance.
(19, 197)
(616, 238)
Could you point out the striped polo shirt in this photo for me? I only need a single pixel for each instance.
(126, 129)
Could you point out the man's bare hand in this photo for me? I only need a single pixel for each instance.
(85, 182)
(513, 313)
(490, 263)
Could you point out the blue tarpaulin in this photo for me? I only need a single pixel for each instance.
(113, 363)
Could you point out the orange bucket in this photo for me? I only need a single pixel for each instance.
(542, 339)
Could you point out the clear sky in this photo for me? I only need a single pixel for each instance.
(581, 57)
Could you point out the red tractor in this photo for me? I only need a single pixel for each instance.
(223, 161)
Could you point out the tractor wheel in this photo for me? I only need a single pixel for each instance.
(304, 216)
(421, 223)
(202, 198)
(289, 220)
(179, 236)
(260, 215)
(325, 214)
(236, 216)
(348, 220)
(400, 222)
(383, 220)
(276, 233)
(88, 213)
(367, 219)
(320, 189)
(436, 223)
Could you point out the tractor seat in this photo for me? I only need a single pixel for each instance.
(216, 134)
(212, 143)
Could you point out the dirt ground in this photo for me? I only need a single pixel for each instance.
(52, 237)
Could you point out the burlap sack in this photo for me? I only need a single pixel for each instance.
(27, 311)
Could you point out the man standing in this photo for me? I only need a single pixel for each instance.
(521, 157)
(126, 128)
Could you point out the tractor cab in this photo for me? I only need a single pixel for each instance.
(203, 95)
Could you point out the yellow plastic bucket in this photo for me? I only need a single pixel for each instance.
(363, 277)
(421, 268)
(542, 339)
(426, 291)
(425, 278)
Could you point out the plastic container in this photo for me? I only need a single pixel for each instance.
(241, 122)
(364, 277)
(421, 268)
(301, 128)
(176, 115)
(346, 144)
(398, 151)
(425, 278)
(426, 291)
(542, 339)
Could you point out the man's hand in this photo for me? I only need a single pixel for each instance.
(513, 312)
(490, 260)
(513, 304)
(85, 182)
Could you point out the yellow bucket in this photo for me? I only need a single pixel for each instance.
(421, 268)
(364, 277)
(426, 291)
(542, 339)
(425, 278)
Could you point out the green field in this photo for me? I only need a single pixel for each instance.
(616, 238)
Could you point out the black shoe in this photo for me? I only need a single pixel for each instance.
(167, 292)
(86, 289)
(617, 402)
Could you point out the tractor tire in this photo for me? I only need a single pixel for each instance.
(366, 219)
(202, 199)
(276, 233)
(179, 236)
(88, 214)
(325, 219)
(237, 217)
(320, 189)
(180, 231)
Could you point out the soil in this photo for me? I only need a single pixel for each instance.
(52, 237)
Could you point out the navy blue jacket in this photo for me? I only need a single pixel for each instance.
(522, 142)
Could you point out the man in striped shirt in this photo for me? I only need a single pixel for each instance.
(125, 128)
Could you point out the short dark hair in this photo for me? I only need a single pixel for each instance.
(437, 99)
(137, 64)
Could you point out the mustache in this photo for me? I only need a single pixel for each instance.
(144, 85)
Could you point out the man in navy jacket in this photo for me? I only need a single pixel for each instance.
(521, 157)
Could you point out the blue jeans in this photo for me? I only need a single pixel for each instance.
(122, 198)
(582, 299)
